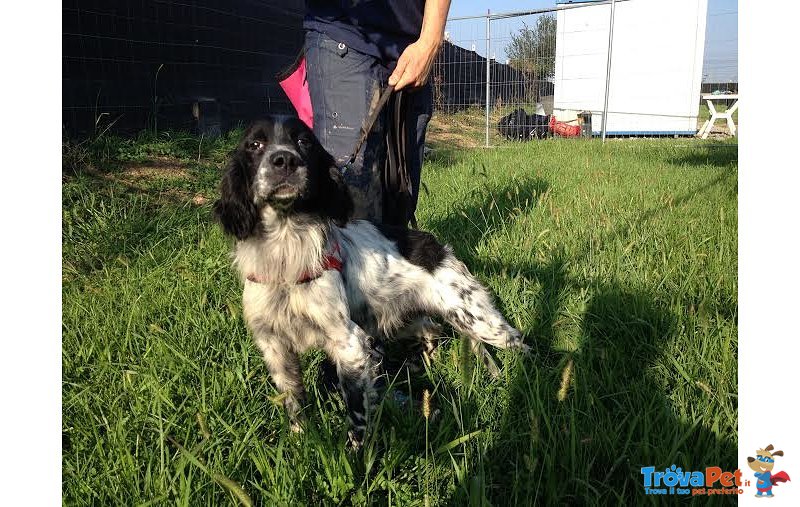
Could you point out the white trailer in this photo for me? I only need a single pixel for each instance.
(656, 65)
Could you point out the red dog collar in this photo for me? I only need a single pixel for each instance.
(331, 260)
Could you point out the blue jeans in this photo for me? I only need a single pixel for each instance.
(343, 83)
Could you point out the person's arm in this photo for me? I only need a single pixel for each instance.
(414, 65)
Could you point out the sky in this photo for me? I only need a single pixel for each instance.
(720, 61)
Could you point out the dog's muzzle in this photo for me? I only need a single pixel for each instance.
(281, 177)
(284, 160)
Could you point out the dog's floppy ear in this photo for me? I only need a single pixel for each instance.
(336, 201)
(235, 210)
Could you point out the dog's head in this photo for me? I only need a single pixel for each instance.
(279, 164)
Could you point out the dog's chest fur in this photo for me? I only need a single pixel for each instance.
(283, 251)
(374, 278)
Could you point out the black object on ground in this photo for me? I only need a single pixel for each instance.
(520, 126)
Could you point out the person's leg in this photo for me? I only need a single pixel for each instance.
(343, 84)
(419, 114)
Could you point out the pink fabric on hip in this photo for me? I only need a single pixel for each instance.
(295, 85)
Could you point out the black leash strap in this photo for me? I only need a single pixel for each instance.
(366, 127)
(395, 181)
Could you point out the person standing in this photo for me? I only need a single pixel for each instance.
(353, 49)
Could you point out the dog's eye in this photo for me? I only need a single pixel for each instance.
(255, 145)
(303, 142)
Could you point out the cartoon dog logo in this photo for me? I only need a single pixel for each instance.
(763, 464)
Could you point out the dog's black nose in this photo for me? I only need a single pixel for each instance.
(284, 160)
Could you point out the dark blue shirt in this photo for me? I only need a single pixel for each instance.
(379, 28)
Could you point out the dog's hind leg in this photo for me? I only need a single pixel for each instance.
(467, 306)
(349, 347)
(284, 370)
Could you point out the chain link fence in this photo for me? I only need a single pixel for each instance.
(130, 65)
(599, 68)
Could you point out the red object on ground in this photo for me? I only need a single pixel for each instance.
(564, 129)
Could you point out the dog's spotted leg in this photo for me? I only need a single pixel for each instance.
(284, 370)
(357, 366)
(468, 307)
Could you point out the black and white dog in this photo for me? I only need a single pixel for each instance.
(313, 279)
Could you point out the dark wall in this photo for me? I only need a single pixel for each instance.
(459, 79)
(221, 54)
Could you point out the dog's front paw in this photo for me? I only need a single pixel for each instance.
(515, 342)
(520, 347)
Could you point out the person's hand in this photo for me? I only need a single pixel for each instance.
(414, 65)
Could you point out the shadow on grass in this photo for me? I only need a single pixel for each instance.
(444, 155)
(724, 178)
(580, 422)
(584, 441)
(713, 153)
(490, 208)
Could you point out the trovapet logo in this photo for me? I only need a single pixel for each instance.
(714, 481)
(674, 481)
(762, 465)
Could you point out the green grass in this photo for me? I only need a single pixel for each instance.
(618, 262)
(466, 128)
